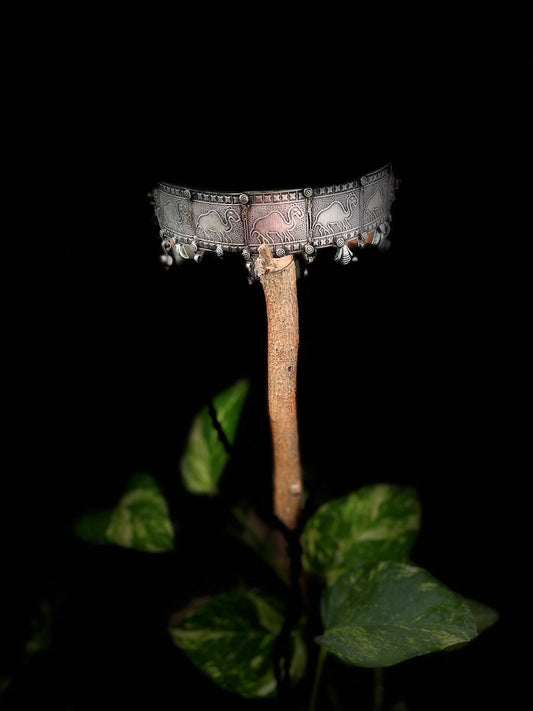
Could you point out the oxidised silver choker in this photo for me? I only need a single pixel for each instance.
(347, 216)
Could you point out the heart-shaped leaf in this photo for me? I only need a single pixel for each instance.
(140, 520)
(232, 638)
(377, 616)
(484, 615)
(372, 524)
(206, 456)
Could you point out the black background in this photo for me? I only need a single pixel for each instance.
(409, 360)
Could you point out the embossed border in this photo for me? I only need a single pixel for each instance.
(261, 196)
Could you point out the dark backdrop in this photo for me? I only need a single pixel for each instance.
(404, 375)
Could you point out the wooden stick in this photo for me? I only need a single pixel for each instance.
(278, 278)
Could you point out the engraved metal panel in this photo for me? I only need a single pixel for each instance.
(174, 214)
(276, 219)
(218, 224)
(377, 198)
(335, 213)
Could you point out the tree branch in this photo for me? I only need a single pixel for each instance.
(278, 278)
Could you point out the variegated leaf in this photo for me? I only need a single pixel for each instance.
(374, 523)
(205, 456)
(232, 638)
(140, 520)
(377, 616)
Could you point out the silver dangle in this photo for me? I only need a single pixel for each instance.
(361, 239)
(196, 254)
(186, 251)
(166, 245)
(381, 233)
(344, 254)
(176, 253)
(384, 228)
(301, 268)
(381, 236)
(249, 264)
(183, 253)
(309, 253)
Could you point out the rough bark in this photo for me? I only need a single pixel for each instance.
(278, 278)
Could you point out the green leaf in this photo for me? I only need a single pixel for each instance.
(205, 457)
(484, 615)
(381, 615)
(372, 524)
(139, 521)
(92, 526)
(231, 638)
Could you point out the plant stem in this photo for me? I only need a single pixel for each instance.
(318, 677)
(379, 689)
(278, 278)
(249, 537)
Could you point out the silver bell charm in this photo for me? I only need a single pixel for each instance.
(344, 253)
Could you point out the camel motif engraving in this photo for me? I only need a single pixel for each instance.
(335, 218)
(274, 227)
(213, 226)
(375, 207)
